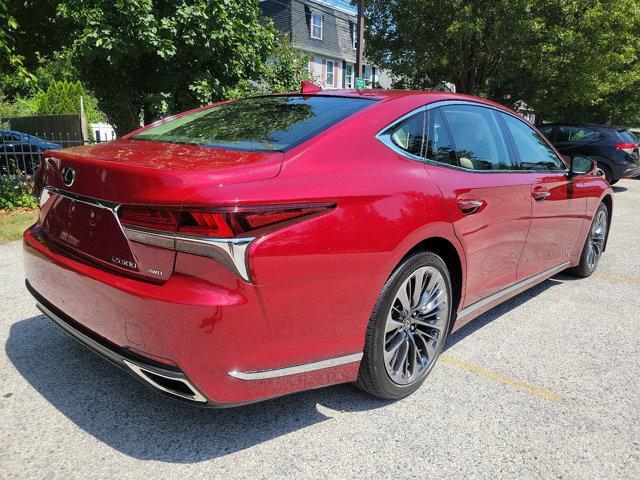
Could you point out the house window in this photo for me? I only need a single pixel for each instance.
(330, 77)
(316, 25)
(353, 29)
(349, 76)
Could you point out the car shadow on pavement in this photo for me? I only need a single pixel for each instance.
(109, 404)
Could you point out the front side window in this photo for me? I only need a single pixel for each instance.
(271, 123)
(316, 25)
(547, 131)
(477, 137)
(10, 137)
(410, 134)
(576, 134)
(330, 75)
(533, 150)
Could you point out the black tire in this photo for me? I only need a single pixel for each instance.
(373, 376)
(586, 267)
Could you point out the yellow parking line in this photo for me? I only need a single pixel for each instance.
(618, 278)
(499, 377)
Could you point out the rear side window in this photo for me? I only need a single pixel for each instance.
(627, 136)
(410, 134)
(438, 144)
(425, 135)
(477, 137)
(274, 123)
(576, 134)
(533, 150)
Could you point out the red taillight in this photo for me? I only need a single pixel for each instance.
(627, 147)
(240, 221)
(217, 222)
(162, 219)
(204, 223)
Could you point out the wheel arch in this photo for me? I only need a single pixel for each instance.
(452, 258)
(607, 199)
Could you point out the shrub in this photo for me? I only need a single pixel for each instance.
(16, 192)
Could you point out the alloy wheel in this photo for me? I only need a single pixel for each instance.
(415, 327)
(596, 240)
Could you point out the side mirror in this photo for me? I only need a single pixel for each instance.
(581, 166)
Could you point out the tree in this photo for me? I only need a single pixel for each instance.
(150, 57)
(285, 68)
(560, 57)
(10, 61)
(42, 31)
(591, 68)
(63, 98)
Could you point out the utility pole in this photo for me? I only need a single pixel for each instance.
(360, 40)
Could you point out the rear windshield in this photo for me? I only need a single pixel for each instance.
(257, 124)
(627, 136)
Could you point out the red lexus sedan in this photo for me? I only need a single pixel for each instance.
(273, 244)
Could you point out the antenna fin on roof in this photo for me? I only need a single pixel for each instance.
(309, 87)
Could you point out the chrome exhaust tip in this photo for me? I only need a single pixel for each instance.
(173, 384)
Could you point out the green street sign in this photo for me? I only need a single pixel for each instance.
(360, 83)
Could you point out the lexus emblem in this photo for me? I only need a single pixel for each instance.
(68, 176)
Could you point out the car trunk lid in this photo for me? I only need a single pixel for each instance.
(85, 187)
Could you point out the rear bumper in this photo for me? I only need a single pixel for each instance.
(163, 378)
(625, 170)
(632, 171)
(221, 337)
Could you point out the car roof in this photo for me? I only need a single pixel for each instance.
(589, 125)
(388, 95)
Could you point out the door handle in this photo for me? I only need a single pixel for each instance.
(540, 194)
(469, 206)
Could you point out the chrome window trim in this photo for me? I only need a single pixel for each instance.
(230, 252)
(295, 369)
(384, 136)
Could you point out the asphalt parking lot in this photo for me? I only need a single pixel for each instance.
(544, 386)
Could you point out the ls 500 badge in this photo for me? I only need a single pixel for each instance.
(123, 262)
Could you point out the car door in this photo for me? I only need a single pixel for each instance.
(490, 206)
(559, 203)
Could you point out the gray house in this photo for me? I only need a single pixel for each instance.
(325, 29)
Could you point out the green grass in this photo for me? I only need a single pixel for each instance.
(12, 224)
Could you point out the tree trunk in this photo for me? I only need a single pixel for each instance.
(124, 122)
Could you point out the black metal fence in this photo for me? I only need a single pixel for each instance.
(20, 154)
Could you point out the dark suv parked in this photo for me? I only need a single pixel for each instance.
(615, 149)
